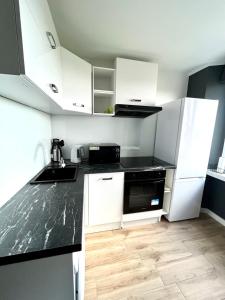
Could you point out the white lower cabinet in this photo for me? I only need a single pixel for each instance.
(85, 199)
(186, 199)
(58, 277)
(78, 259)
(105, 201)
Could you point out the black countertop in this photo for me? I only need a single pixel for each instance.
(129, 164)
(144, 163)
(42, 220)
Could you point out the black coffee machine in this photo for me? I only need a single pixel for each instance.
(56, 151)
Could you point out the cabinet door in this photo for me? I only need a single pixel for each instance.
(186, 199)
(167, 131)
(105, 198)
(41, 47)
(79, 273)
(76, 76)
(136, 82)
(46, 279)
(196, 132)
(85, 199)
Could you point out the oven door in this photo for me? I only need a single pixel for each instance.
(143, 195)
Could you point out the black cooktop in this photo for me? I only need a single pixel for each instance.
(143, 162)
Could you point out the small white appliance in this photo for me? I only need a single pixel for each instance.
(221, 162)
(183, 137)
(221, 165)
(76, 153)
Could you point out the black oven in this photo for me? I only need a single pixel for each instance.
(143, 190)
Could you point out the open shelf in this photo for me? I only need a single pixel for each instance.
(103, 78)
(103, 91)
(102, 103)
(104, 115)
(103, 71)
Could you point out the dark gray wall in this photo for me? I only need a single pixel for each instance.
(197, 84)
(207, 84)
(216, 90)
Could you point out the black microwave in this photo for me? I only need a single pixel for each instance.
(104, 153)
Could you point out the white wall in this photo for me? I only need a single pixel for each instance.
(139, 133)
(84, 129)
(172, 85)
(147, 137)
(25, 136)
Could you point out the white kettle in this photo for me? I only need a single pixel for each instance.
(75, 154)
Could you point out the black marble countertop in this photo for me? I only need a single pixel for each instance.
(144, 162)
(42, 220)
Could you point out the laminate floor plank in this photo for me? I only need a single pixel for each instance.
(164, 252)
(129, 262)
(206, 287)
(170, 293)
(217, 259)
(125, 284)
(179, 270)
(206, 245)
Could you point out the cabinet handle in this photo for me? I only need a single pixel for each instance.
(51, 39)
(54, 88)
(135, 100)
(106, 178)
(78, 105)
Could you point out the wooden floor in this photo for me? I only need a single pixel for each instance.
(182, 260)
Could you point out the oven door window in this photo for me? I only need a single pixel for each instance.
(143, 196)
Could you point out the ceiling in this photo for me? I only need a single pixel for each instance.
(178, 34)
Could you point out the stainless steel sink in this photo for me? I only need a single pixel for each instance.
(56, 174)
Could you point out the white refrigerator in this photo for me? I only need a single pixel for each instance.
(183, 138)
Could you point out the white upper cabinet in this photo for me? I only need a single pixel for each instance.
(41, 47)
(77, 83)
(30, 66)
(136, 82)
(34, 69)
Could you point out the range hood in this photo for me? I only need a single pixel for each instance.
(135, 111)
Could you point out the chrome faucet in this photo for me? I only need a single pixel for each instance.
(62, 163)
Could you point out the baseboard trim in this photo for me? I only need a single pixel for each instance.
(103, 227)
(213, 215)
(128, 224)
